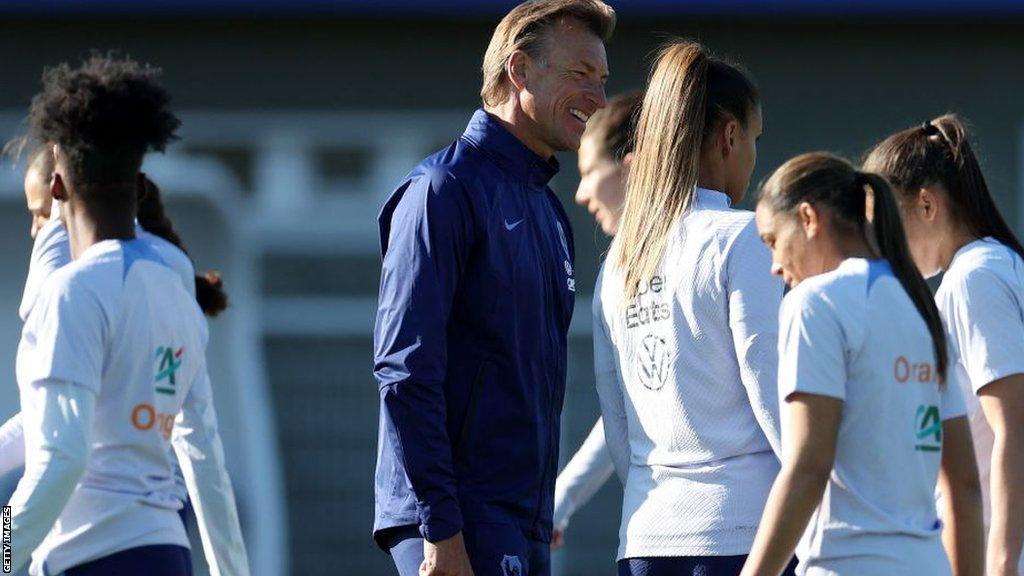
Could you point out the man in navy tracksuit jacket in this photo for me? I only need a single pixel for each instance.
(476, 296)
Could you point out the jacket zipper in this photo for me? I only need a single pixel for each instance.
(474, 399)
(551, 288)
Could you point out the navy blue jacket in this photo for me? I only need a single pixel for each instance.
(476, 295)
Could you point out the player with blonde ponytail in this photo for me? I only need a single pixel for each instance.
(685, 323)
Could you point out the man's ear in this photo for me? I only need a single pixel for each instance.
(516, 68)
(57, 189)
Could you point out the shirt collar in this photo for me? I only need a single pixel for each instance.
(970, 246)
(707, 198)
(101, 247)
(508, 151)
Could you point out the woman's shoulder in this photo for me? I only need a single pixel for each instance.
(841, 291)
(980, 271)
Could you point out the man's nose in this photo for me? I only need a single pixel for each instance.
(776, 269)
(599, 97)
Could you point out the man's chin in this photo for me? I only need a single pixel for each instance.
(569, 139)
(569, 145)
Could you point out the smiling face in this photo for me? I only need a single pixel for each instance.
(563, 86)
(602, 186)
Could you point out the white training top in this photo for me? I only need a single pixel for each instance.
(51, 250)
(981, 299)
(582, 477)
(119, 324)
(854, 334)
(686, 376)
(12, 444)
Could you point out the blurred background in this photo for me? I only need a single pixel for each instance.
(300, 116)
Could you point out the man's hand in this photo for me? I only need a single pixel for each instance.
(446, 558)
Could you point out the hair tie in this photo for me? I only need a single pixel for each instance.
(929, 128)
(860, 193)
(858, 179)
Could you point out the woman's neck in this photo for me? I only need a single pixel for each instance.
(85, 230)
(852, 246)
(956, 238)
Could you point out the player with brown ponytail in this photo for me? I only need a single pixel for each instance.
(870, 424)
(953, 224)
(210, 292)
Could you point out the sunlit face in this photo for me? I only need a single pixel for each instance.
(740, 165)
(37, 197)
(565, 85)
(794, 255)
(602, 185)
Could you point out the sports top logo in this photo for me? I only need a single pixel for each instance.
(145, 416)
(168, 361)
(511, 566)
(928, 427)
(570, 282)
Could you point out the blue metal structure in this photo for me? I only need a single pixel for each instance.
(463, 8)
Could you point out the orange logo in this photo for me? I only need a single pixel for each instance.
(145, 417)
(904, 370)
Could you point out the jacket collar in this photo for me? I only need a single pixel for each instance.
(708, 198)
(486, 132)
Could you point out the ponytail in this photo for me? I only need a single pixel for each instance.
(939, 152)
(210, 293)
(688, 95)
(892, 245)
(153, 217)
(861, 203)
(966, 183)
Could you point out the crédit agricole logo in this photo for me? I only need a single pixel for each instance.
(145, 416)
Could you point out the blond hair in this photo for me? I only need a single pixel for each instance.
(525, 28)
(689, 94)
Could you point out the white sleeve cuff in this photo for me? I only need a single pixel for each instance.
(57, 426)
(12, 445)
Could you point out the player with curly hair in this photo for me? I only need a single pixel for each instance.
(111, 366)
(51, 251)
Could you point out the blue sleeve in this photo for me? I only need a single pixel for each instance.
(426, 235)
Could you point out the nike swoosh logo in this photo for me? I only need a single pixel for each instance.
(512, 226)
